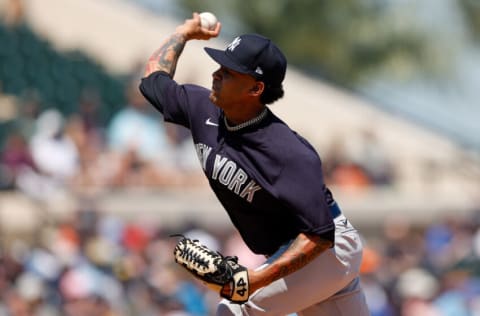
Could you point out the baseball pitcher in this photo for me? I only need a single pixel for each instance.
(267, 177)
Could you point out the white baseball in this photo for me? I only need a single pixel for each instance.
(208, 20)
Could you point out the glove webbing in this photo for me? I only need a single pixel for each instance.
(198, 256)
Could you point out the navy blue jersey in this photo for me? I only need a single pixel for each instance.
(267, 177)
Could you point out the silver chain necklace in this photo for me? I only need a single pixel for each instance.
(250, 122)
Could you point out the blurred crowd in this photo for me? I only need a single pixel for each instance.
(43, 149)
(424, 270)
(95, 263)
(61, 125)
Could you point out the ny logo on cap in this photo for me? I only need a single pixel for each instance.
(234, 44)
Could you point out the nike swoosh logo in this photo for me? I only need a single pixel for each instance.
(208, 122)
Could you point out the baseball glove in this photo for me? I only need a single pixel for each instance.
(213, 269)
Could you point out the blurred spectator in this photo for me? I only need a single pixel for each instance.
(454, 297)
(15, 158)
(139, 143)
(89, 106)
(350, 176)
(341, 171)
(137, 128)
(358, 163)
(371, 155)
(416, 287)
(184, 156)
(53, 151)
(54, 155)
(94, 169)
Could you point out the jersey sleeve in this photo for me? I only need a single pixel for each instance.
(176, 102)
(301, 187)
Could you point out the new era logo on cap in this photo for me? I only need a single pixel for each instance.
(255, 55)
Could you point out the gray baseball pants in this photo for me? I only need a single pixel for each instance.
(327, 286)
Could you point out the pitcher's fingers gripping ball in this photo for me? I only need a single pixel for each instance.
(221, 274)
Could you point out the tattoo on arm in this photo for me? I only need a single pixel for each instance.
(166, 57)
(302, 251)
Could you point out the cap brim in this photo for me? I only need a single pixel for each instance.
(221, 58)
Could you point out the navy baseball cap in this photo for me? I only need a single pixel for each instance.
(255, 55)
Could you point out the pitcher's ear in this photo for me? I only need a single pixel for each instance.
(258, 87)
